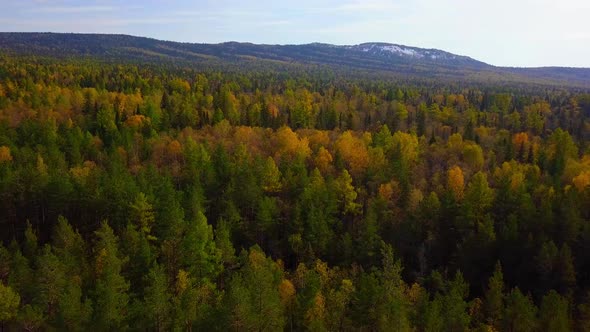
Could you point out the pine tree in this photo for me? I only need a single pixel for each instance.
(253, 295)
(157, 301)
(520, 314)
(494, 297)
(393, 307)
(554, 313)
(110, 294)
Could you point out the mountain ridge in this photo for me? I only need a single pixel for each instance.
(372, 56)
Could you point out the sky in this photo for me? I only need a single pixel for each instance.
(523, 33)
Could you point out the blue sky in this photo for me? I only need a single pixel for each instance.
(499, 32)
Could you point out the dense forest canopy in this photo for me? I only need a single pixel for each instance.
(169, 197)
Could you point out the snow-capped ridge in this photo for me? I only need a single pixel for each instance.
(403, 51)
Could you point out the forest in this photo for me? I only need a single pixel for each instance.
(161, 197)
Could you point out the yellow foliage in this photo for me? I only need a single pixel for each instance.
(41, 166)
(582, 180)
(5, 154)
(473, 156)
(415, 198)
(317, 138)
(408, 144)
(520, 139)
(354, 151)
(257, 259)
(456, 182)
(323, 160)
(286, 292)
(182, 281)
(273, 110)
(347, 286)
(271, 181)
(415, 293)
(386, 191)
(79, 173)
(174, 149)
(317, 310)
(102, 254)
(575, 167)
(136, 121)
(322, 269)
(390, 191)
(252, 138)
(288, 144)
(455, 142)
(516, 181)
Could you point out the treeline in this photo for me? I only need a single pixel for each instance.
(150, 198)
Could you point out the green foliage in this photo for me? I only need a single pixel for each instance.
(110, 293)
(554, 313)
(253, 296)
(157, 305)
(9, 302)
(520, 314)
(324, 175)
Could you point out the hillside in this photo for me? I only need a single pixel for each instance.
(374, 57)
(158, 186)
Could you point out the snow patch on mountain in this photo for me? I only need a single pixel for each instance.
(403, 51)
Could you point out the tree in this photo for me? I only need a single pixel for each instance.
(393, 307)
(223, 242)
(9, 302)
(346, 193)
(270, 176)
(5, 155)
(520, 314)
(354, 151)
(454, 305)
(287, 294)
(478, 196)
(253, 295)
(316, 208)
(456, 182)
(142, 215)
(566, 272)
(473, 156)
(199, 254)
(110, 293)
(70, 249)
(583, 322)
(156, 301)
(554, 314)
(494, 297)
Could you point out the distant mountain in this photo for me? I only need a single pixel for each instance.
(414, 53)
(382, 57)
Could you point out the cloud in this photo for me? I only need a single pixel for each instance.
(90, 23)
(274, 23)
(367, 6)
(224, 14)
(73, 9)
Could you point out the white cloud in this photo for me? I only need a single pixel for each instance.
(368, 6)
(74, 9)
(90, 23)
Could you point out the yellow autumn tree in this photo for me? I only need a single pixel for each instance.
(354, 151)
(582, 181)
(323, 160)
(288, 146)
(5, 155)
(456, 182)
(408, 145)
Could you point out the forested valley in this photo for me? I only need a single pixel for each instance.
(158, 197)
